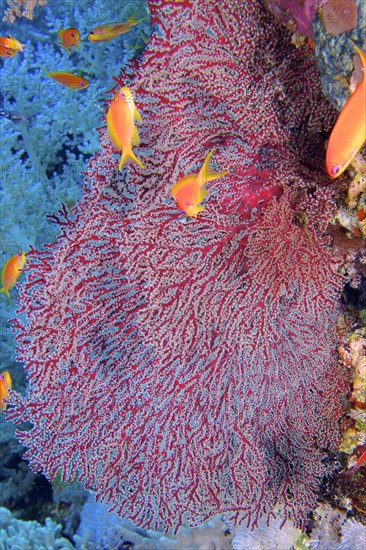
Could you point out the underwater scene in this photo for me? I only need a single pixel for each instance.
(183, 275)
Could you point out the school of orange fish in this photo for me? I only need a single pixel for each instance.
(346, 139)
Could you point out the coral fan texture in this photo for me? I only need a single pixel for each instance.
(186, 368)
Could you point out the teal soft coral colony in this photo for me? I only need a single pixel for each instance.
(180, 352)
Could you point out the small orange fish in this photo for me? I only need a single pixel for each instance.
(12, 43)
(11, 271)
(5, 388)
(69, 38)
(349, 132)
(121, 118)
(110, 30)
(73, 81)
(189, 191)
(6, 52)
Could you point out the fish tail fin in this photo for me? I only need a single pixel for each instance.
(143, 36)
(134, 21)
(362, 56)
(207, 173)
(43, 69)
(38, 66)
(5, 291)
(129, 155)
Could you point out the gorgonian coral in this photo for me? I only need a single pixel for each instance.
(181, 369)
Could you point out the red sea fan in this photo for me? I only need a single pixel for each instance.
(183, 369)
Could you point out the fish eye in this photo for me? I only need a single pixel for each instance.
(336, 169)
(121, 95)
(72, 34)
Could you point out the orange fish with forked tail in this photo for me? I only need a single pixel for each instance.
(5, 387)
(74, 81)
(189, 191)
(11, 271)
(111, 30)
(121, 118)
(349, 132)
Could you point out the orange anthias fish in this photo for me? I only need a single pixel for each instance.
(121, 118)
(349, 132)
(11, 43)
(189, 191)
(6, 52)
(73, 81)
(5, 387)
(110, 30)
(11, 271)
(69, 38)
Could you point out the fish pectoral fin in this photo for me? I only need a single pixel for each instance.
(135, 141)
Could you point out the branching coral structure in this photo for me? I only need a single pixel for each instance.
(185, 368)
(22, 8)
